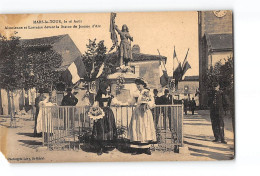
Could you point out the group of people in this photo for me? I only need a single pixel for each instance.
(191, 105)
(44, 99)
(165, 99)
(141, 131)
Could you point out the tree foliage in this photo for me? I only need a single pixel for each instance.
(94, 57)
(39, 67)
(221, 74)
(10, 52)
(27, 67)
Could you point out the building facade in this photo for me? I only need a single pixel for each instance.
(188, 89)
(215, 44)
(147, 66)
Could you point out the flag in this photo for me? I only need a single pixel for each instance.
(163, 75)
(174, 53)
(185, 67)
(171, 63)
(175, 62)
(177, 74)
(112, 31)
(74, 72)
(184, 61)
(100, 70)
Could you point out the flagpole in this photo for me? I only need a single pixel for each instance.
(174, 54)
(185, 57)
(161, 59)
(178, 59)
(173, 60)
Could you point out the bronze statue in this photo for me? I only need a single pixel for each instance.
(125, 46)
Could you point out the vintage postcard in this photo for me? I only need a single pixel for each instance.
(139, 86)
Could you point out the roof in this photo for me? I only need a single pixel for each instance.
(61, 46)
(40, 42)
(191, 78)
(141, 57)
(219, 42)
(146, 57)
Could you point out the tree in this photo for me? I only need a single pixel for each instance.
(94, 57)
(26, 67)
(39, 68)
(10, 51)
(221, 74)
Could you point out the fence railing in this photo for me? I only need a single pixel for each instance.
(63, 126)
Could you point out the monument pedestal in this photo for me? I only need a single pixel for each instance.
(123, 86)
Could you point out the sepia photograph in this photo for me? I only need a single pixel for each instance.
(119, 86)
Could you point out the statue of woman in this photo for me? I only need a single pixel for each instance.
(125, 46)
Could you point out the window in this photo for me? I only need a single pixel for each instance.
(133, 69)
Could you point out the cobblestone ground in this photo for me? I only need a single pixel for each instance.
(198, 137)
(21, 146)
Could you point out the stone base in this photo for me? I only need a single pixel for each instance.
(125, 95)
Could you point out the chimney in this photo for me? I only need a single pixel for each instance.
(136, 49)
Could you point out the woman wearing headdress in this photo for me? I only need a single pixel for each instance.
(141, 132)
(38, 99)
(125, 46)
(44, 124)
(104, 129)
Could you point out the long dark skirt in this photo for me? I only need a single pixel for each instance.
(105, 129)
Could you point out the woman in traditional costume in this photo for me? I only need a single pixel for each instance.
(141, 132)
(104, 129)
(44, 119)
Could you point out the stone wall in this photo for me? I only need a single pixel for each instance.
(149, 70)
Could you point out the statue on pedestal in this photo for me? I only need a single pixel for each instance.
(122, 81)
(125, 50)
(125, 46)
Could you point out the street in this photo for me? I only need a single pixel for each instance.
(21, 146)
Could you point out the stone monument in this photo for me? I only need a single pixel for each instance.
(123, 80)
(123, 86)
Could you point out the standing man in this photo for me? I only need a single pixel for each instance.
(156, 97)
(185, 103)
(166, 99)
(193, 106)
(37, 101)
(69, 100)
(216, 115)
(156, 110)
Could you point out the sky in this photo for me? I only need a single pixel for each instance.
(152, 31)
